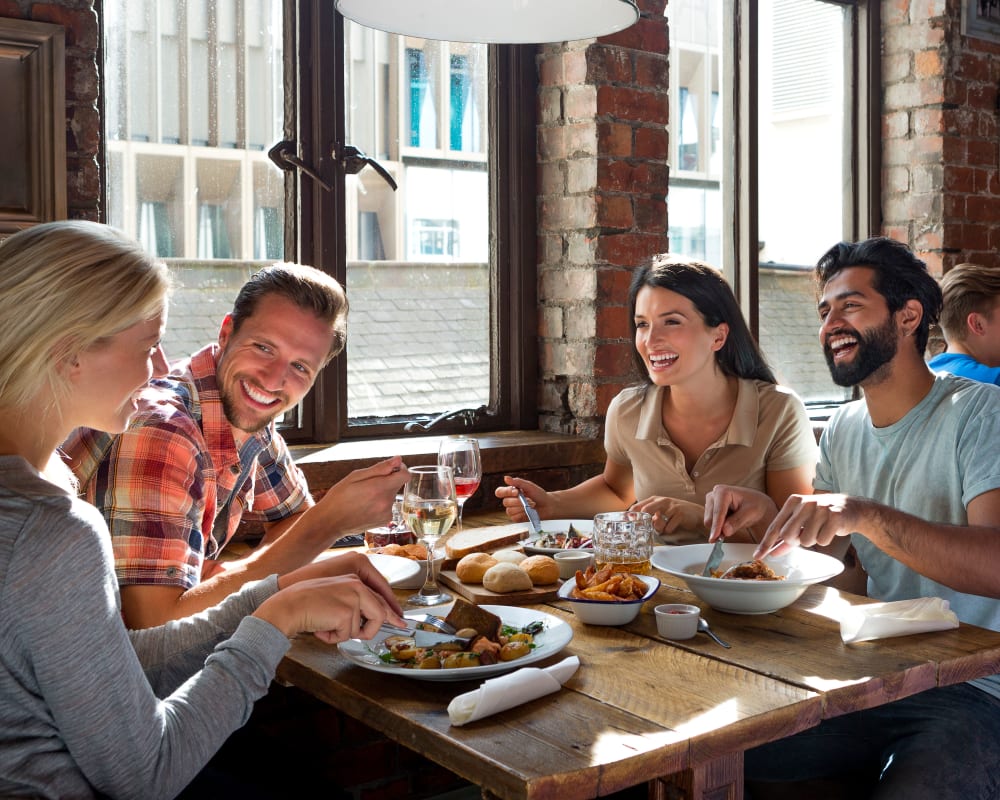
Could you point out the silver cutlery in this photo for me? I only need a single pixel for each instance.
(714, 559)
(703, 628)
(534, 521)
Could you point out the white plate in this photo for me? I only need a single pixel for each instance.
(584, 526)
(400, 572)
(555, 637)
(800, 569)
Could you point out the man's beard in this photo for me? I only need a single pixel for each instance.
(247, 425)
(874, 350)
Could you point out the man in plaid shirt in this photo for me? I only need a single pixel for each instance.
(203, 452)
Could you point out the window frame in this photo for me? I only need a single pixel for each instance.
(862, 201)
(315, 77)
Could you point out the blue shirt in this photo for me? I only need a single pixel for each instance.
(965, 366)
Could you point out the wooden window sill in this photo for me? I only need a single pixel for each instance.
(503, 453)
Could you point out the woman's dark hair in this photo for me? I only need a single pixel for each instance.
(704, 286)
(899, 276)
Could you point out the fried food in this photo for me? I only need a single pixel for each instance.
(754, 571)
(414, 552)
(607, 585)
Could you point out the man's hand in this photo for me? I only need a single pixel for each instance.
(352, 563)
(807, 520)
(364, 498)
(729, 509)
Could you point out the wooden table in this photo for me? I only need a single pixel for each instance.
(640, 709)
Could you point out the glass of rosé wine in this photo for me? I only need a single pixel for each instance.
(461, 453)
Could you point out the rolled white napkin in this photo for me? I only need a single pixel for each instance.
(512, 689)
(899, 618)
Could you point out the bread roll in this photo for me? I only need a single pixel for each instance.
(506, 577)
(473, 566)
(512, 556)
(541, 569)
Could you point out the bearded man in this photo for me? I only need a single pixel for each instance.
(203, 452)
(909, 474)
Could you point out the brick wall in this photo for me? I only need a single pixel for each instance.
(602, 165)
(941, 138)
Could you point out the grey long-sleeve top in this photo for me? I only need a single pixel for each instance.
(86, 706)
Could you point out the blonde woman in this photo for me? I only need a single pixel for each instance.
(87, 708)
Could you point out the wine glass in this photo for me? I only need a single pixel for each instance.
(462, 454)
(429, 508)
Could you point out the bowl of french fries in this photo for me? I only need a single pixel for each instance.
(606, 597)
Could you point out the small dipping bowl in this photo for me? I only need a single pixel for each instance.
(570, 561)
(677, 620)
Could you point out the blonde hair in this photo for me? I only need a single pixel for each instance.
(65, 286)
(967, 288)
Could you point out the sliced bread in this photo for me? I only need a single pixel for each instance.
(484, 540)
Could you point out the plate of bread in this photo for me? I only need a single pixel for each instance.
(489, 565)
(540, 636)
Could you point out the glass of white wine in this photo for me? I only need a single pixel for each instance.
(429, 508)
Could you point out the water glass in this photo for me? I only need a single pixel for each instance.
(623, 540)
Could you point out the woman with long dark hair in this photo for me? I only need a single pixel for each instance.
(708, 411)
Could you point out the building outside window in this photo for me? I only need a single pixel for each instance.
(196, 98)
(803, 198)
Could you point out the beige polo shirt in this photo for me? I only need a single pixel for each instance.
(769, 432)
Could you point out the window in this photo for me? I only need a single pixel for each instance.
(438, 270)
(796, 176)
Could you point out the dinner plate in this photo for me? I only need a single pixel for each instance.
(584, 526)
(400, 572)
(554, 638)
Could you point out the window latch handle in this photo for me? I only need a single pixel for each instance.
(285, 158)
(354, 161)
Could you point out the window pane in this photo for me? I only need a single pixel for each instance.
(695, 199)
(417, 258)
(802, 116)
(207, 210)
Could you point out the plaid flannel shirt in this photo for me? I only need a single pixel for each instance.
(162, 483)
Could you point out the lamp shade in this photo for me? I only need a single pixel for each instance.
(494, 21)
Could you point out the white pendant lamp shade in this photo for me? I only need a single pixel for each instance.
(494, 21)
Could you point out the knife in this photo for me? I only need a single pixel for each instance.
(421, 637)
(534, 521)
(714, 559)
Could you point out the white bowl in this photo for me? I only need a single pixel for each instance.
(799, 567)
(608, 612)
(677, 620)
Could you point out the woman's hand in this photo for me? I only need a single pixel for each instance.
(535, 495)
(671, 515)
(334, 609)
(349, 563)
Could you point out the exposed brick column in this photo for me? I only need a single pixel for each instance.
(83, 123)
(602, 159)
(941, 138)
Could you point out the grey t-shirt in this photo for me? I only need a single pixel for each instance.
(87, 707)
(930, 464)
